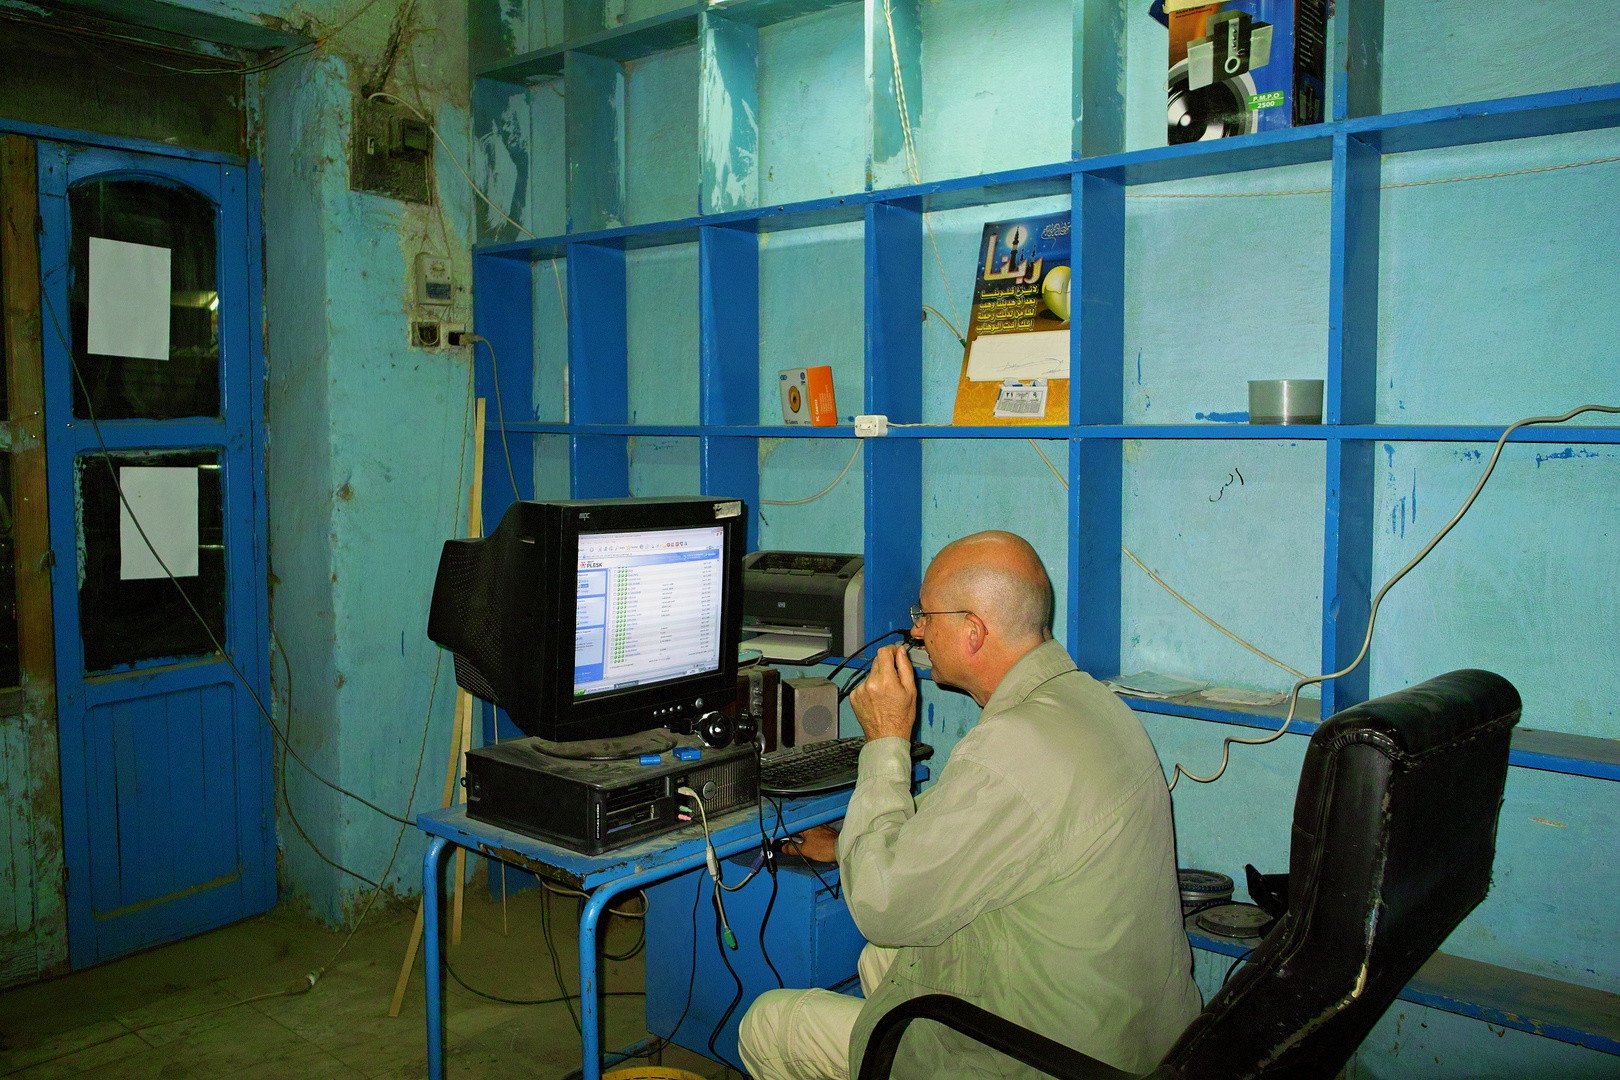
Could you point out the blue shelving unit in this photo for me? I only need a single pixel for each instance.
(728, 241)
(731, 220)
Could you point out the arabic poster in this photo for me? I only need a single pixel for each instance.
(1015, 368)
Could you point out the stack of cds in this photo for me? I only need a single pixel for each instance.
(1201, 888)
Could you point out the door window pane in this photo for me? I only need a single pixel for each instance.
(179, 220)
(125, 620)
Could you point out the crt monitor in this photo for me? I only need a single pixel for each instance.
(597, 618)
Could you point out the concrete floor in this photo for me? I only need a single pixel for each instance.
(177, 1011)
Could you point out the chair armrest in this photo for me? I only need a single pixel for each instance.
(1036, 1051)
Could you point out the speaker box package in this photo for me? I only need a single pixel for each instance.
(1241, 66)
(808, 712)
(807, 396)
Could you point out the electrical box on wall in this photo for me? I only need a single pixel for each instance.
(435, 282)
(392, 153)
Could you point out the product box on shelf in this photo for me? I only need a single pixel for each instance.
(807, 396)
(1241, 66)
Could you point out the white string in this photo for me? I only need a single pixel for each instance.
(823, 491)
(1372, 614)
(1166, 585)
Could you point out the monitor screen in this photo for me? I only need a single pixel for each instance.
(649, 607)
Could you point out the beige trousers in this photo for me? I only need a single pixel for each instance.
(804, 1034)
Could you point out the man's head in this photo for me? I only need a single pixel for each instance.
(992, 602)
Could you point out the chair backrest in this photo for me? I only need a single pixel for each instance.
(1394, 835)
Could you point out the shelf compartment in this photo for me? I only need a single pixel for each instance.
(1494, 300)
(764, 13)
(660, 465)
(661, 125)
(1560, 45)
(810, 93)
(1523, 587)
(968, 50)
(1219, 291)
(1236, 529)
(645, 37)
(812, 311)
(661, 288)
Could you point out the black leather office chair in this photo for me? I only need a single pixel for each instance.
(1394, 835)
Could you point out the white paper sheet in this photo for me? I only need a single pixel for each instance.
(1039, 354)
(788, 648)
(129, 300)
(165, 501)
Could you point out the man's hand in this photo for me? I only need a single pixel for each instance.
(886, 703)
(819, 844)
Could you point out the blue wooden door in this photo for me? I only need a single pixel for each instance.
(154, 425)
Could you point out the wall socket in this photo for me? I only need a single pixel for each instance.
(432, 334)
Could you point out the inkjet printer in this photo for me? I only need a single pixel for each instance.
(803, 605)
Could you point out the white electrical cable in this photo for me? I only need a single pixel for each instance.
(837, 480)
(1378, 599)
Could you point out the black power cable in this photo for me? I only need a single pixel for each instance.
(736, 999)
(767, 851)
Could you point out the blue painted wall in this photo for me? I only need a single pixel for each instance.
(365, 464)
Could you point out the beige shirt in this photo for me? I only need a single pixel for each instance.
(1036, 879)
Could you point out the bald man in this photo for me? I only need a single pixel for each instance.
(1036, 879)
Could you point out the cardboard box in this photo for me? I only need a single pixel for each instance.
(1241, 66)
(807, 396)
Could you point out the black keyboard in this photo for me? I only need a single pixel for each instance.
(819, 768)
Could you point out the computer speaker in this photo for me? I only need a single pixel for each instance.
(808, 711)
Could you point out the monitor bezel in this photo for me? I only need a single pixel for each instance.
(622, 712)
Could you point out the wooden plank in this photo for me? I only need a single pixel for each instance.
(1517, 999)
(1497, 995)
(25, 378)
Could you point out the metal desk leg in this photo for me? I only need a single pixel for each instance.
(590, 1014)
(432, 876)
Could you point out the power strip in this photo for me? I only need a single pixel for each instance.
(871, 426)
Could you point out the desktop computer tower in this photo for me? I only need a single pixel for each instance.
(811, 938)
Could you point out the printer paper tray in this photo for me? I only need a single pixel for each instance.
(790, 648)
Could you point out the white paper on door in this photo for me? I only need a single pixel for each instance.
(164, 500)
(129, 300)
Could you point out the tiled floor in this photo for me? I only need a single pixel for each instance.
(178, 1012)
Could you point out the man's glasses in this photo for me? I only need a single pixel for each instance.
(918, 614)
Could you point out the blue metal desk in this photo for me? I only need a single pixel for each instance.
(604, 877)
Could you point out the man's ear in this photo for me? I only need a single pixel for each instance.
(976, 633)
